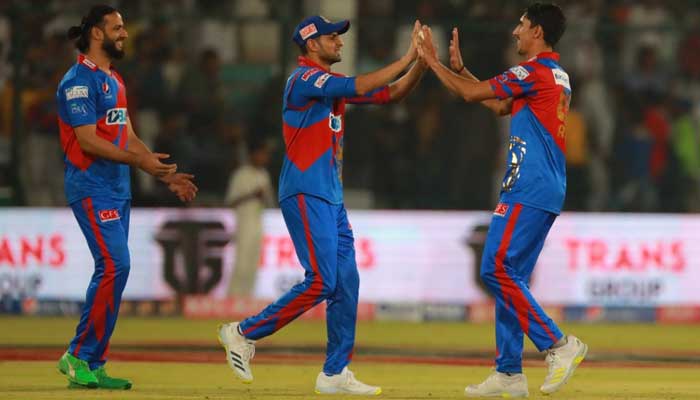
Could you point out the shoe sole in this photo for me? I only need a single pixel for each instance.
(228, 359)
(375, 393)
(577, 360)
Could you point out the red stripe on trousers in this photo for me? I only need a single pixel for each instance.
(105, 291)
(307, 298)
(510, 291)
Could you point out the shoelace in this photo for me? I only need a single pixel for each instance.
(551, 359)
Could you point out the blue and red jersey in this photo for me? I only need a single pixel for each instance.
(541, 92)
(86, 96)
(313, 116)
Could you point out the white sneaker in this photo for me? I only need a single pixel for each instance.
(499, 384)
(562, 362)
(239, 351)
(344, 383)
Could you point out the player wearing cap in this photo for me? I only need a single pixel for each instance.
(100, 145)
(311, 200)
(536, 93)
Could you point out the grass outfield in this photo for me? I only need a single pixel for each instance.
(435, 335)
(39, 380)
(280, 378)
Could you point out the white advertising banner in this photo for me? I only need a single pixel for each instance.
(402, 256)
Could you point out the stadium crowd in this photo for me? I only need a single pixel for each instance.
(204, 79)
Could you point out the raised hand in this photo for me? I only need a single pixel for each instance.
(150, 162)
(426, 48)
(456, 62)
(181, 184)
(412, 52)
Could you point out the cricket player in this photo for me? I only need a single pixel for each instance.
(311, 200)
(99, 146)
(536, 93)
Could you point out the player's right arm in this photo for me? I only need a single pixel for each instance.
(78, 97)
(499, 107)
(92, 144)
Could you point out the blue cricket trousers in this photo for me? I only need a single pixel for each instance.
(513, 243)
(105, 224)
(325, 246)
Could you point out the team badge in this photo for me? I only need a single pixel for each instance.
(105, 87)
(335, 122)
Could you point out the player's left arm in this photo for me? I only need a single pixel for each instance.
(179, 183)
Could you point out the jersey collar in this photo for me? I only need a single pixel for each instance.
(82, 59)
(552, 55)
(305, 62)
(86, 62)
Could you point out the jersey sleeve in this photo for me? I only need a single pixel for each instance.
(515, 82)
(79, 96)
(377, 96)
(316, 83)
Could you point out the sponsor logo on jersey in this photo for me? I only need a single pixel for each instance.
(335, 122)
(307, 31)
(116, 116)
(501, 210)
(561, 78)
(520, 72)
(308, 74)
(321, 80)
(78, 109)
(76, 92)
(108, 215)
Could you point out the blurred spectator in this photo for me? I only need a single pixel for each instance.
(577, 161)
(249, 193)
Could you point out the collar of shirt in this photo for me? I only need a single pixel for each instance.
(82, 59)
(552, 55)
(305, 62)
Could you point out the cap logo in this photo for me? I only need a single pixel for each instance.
(307, 31)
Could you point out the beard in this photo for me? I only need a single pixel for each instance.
(110, 47)
(330, 58)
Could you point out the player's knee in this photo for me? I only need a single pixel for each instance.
(328, 287)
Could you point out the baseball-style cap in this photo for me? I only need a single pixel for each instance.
(313, 27)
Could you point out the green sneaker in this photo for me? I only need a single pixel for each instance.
(77, 371)
(105, 381)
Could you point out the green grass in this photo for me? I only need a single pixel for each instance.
(435, 335)
(39, 380)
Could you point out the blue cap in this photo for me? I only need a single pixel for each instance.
(313, 27)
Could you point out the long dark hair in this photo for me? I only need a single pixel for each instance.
(82, 32)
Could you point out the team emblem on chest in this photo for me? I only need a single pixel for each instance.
(335, 122)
